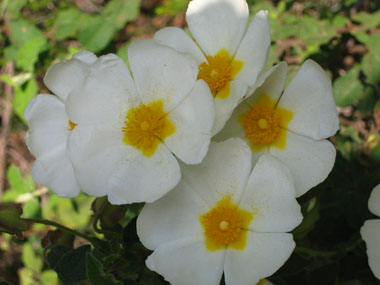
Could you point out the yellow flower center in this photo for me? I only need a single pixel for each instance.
(225, 225)
(218, 72)
(71, 126)
(265, 124)
(147, 126)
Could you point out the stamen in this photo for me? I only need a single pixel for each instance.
(146, 127)
(223, 225)
(72, 125)
(218, 71)
(265, 123)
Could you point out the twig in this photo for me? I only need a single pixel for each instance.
(5, 122)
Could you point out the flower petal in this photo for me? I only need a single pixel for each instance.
(273, 84)
(225, 106)
(254, 48)
(161, 72)
(270, 197)
(105, 95)
(233, 128)
(223, 172)
(61, 78)
(54, 170)
(309, 161)
(374, 201)
(264, 254)
(309, 97)
(370, 232)
(143, 179)
(95, 152)
(217, 24)
(187, 262)
(48, 124)
(180, 41)
(175, 216)
(193, 119)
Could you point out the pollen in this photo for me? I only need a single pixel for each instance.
(146, 126)
(71, 126)
(265, 123)
(225, 225)
(218, 71)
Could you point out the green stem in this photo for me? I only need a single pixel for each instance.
(313, 252)
(59, 226)
(341, 250)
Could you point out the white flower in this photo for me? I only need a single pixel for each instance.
(293, 125)
(230, 53)
(370, 232)
(130, 130)
(49, 125)
(222, 217)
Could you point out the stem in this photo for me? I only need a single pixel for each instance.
(349, 246)
(59, 226)
(313, 252)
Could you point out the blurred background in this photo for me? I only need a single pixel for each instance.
(343, 36)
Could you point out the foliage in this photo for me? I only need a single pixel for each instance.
(343, 36)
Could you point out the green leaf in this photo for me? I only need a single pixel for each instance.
(96, 34)
(27, 55)
(368, 21)
(15, 178)
(13, 7)
(26, 276)
(10, 53)
(368, 101)
(71, 267)
(119, 12)
(172, 8)
(67, 24)
(32, 208)
(22, 31)
(371, 61)
(48, 277)
(123, 53)
(347, 89)
(95, 272)
(22, 98)
(30, 259)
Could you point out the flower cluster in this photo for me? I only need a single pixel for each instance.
(143, 134)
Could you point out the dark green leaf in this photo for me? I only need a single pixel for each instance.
(95, 272)
(56, 253)
(71, 267)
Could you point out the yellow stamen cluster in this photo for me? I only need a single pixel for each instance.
(225, 225)
(147, 126)
(71, 126)
(218, 72)
(265, 124)
(261, 124)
